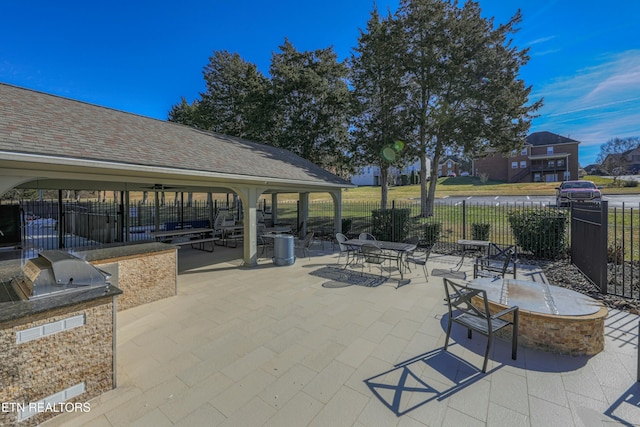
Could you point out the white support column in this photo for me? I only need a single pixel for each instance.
(274, 208)
(304, 213)
(337, 210)
(249, 197)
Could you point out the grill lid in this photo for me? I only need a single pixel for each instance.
(70, 270)
(57, 271)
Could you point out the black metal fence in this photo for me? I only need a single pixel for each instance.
(53, 224)
(623, 251)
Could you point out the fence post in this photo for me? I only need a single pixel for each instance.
(61, 220)
(604, 242)
(393, 220)
(464, 219)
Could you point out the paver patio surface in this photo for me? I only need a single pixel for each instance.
(272, 346)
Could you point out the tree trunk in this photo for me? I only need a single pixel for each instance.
(384, 185)
(433, 182)
(145, 197)
(423, 183)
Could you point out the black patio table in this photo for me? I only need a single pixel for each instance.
(399, 247)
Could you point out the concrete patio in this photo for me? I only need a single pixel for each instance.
(272, 346)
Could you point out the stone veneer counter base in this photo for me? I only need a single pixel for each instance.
(145, 272)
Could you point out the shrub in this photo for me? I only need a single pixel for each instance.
(480, 231)
(432, 231)
(346, 225)
(630, 183)
(614, 255)
(542, 232)
(390, 224)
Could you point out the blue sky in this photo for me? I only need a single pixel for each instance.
(143, 56)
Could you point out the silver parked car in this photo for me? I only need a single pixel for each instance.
(577, 191)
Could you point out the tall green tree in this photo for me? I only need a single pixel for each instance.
(234, 102)
(380, 123)
(310, 104)
(188, 114)
(462, 76)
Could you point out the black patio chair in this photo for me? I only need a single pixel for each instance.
(366, 236)
(266, 244)
(372, 254)
(420, 256)
(496, 265)
(305, 244)
(475, 316)
(345, 249)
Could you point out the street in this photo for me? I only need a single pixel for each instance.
(615, 200)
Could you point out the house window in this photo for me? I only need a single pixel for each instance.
(567, 175)
(523, 152)
(560, 162)
(523, 164)
(449, 164)
(549, 150)
(551, 163)
(514, 165)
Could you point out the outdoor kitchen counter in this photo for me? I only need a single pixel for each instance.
(64, 343)
(12, 311)
(121, 250)
(143, 272)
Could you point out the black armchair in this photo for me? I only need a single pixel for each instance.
(477, 317)
(501, 263)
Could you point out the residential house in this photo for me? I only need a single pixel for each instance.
(450, 166)
(627, 162)
(545, 157)
(370, 175)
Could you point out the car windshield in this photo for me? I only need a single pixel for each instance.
(580, 184)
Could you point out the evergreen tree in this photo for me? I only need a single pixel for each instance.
(380, 123)
(462, 75)
(234, 102)
(310, 103)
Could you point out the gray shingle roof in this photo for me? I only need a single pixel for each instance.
(38, 123)
(548, 138)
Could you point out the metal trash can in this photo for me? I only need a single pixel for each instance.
(283, 253)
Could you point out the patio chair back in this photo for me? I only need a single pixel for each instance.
(305, 243)
(341, 238)
(472, 311)
(419, 256)
(491, 266)
(372, 254)
(344, 249)
(366, 236)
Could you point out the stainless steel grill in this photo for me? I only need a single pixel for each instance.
(53, 272)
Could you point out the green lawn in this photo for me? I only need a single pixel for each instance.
(466, 186)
